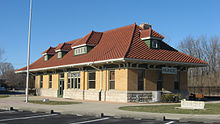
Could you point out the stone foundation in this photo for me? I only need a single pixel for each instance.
(114, 96)
(109, 96)
(46, 92)
(73, 94)
(91, 95)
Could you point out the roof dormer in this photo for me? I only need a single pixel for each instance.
(150, 37)
(62, 49)
(85, 44)
(48, 53)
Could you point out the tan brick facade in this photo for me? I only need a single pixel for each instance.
(126, 80)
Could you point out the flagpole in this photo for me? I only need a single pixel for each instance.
(28, 49)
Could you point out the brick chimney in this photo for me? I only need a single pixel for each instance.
(145, 26)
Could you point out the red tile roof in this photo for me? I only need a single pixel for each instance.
(63, 47)
(124, 42)
(90, 39)
(50, 51)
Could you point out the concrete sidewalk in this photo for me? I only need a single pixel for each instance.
(96, 108)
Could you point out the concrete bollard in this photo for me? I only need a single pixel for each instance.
(102, 115)
(51, 111)
(11, 108)
(164, 118)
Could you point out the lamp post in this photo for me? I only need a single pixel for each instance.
(28, 50)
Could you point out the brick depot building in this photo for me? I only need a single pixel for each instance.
(126, 64)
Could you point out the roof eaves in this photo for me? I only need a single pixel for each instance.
(73, 65)
(167, 62)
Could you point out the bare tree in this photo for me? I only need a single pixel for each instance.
(1, 54)
(207, 49)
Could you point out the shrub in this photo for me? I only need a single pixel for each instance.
(170, 98)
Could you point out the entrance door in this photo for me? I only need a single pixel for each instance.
(61, 85)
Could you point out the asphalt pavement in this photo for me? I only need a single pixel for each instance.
(27, 117)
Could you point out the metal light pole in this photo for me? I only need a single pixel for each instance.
(28, 50)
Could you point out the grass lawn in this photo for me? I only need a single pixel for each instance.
(212, 108)
(4, 96)
(53, 102)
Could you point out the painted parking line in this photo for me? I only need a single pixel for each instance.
(7, 112)
(90, 121)
(29, 117)
(171, 122)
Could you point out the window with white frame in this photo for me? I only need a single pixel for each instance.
(74, 80)
(91, 80)
(112, 79)
(80, 50)
(59, 55)
(155, 44)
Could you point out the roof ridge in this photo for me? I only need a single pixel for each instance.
(92, 33)
(135, 26)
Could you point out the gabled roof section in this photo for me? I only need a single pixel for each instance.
(113, 45)
(139, 50)
(63, 47)
(118, 44)
(91, 39)
(50, 51)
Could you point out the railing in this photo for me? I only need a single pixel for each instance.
(205, 90)
(140, 97)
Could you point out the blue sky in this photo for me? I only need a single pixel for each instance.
(56, 21)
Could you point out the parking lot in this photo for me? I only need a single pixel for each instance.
(23, 117)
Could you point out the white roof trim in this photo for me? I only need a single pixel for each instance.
(118, 59)
(165, 62)
(72, 65)
(147, 38)
(83, 45)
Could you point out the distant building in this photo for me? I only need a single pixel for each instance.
(126, 64)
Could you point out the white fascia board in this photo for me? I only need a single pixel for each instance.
(164, 62)
(147, 38)
(82, 45)
(114, 60)
(73, 65)
(47, 54)
(61, 50)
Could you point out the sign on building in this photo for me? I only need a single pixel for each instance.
(169, 70)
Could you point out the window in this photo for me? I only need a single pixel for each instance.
(45, 57)
(50, 81)
(155, 44)
(91, 80)
(81, 50)
(160, 81)
(41, 81)
(112, 80)
(177, 81)
(140, 79)
(59, 55)
(62, 75)
(74, 80)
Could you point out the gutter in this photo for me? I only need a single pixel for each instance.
(74, 65)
